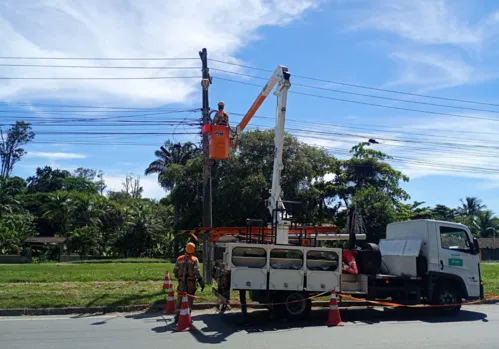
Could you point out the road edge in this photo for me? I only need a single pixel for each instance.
(156, 308)
(136, 308)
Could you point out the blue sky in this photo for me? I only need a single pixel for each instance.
(439, 48)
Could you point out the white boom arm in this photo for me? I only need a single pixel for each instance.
(280, 77)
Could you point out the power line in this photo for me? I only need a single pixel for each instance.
(373, 125)
(364, 86)
(68, 133)
(105, 58)
(89, 66)
(364, 95)
(89, 106)
(134, 124)
(442, 167)
(104, 117)
(368, 104)
(404, 133)
(55, 112)
(414, 162)
(101, 78)
(308, 133)
(406, 140)
(344, 137)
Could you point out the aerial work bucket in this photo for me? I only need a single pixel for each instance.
(218, 141)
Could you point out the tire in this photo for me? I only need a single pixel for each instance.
(446, 295)
(293, 308)
(368, 246)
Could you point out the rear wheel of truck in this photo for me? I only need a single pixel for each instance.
(294, 305)
(446, 295)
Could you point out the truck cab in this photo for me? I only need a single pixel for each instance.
(444, 255)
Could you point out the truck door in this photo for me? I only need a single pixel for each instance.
(457, 256)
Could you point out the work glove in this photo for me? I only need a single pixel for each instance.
(202, 284)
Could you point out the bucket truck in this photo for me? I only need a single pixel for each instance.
(282, 265)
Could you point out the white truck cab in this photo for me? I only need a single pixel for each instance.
(448, 252)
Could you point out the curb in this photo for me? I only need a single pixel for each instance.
(137, 308)
(159, 307)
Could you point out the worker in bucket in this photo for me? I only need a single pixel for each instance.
(221, 118)
(188, 274)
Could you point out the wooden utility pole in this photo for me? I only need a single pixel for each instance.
(207, 207)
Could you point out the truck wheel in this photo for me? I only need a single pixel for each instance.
(446, 295)
(296, 305)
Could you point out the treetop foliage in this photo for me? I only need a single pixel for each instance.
(123, 224)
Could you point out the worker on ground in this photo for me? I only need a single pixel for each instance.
(188, 274)
(221, 118)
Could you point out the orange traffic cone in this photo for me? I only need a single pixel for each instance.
(170, 301)
(184, 320)
(166, 283)
(334, 318)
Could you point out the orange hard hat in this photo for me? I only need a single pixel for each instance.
(190, 247)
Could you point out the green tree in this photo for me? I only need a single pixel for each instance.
(84, 240)
(413, 211)
(241, 184)
(8, 190)
(47, 180)
(100, 183)
(85, 173)
(471, 206)
(377, 209)
(11, 143)
(14, 228)
(169, 163)
(60, 211)
(486, 223)
(444, 213)
(368, 167)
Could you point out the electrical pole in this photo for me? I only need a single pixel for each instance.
(207, 209)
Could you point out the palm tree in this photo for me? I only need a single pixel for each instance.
(60, 210)
(168, 166)
(486, 223)
(471, 206)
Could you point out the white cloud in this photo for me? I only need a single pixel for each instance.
(424, 21)
(55, 156)
(424, 146)
(438, 44)
(320, 142)
(120, 28)
(437, 70)
(470, 150)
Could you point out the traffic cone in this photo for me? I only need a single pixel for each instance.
(166, 283)
(170, 301)
(334, 318)
(184, 320)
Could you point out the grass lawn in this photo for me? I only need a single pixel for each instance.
(86, 284)
(109, 283)
(490, 276)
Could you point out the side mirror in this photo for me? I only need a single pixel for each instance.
(476, 247)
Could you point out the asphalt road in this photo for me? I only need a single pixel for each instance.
(475, 327)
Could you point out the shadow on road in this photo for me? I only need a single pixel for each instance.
(213, 328)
